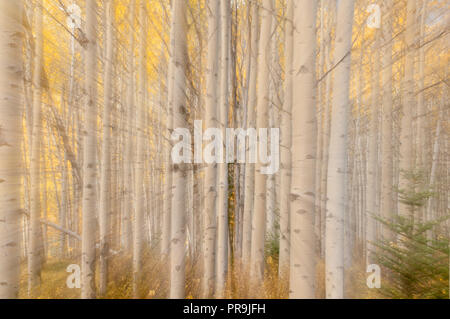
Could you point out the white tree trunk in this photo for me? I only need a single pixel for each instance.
(127, 236)
(337, 163)
(89, 157)
(286, 143)
(210, 188)
(262, 121)
(251, 115)
(105, 178)
(10, 145)
(167, 190)
(222, 203)
(326, 127)
(178, 103)
(408, 104)
(372, 171)
(304, 133)
(434, 163)
(139, 214)
(421, 107)
(34, 252)
(387, 172)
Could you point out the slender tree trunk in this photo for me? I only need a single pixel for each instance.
(222, 204)
(179, 106)
(44, 202)
(262, 121)
(10, 145)
(274, 106)
(89, 160)
(337, 164)
(372, 175)
(303, 259)
(434, 163)
(210, 189)
(286, 144)
(138, 233)
(421, 107)
(387, 172)
(168, 192)
(408, 102)
(321, 96)
(105, 178)
(34, 252)
(127, 236)
(251, 115)
(326, 127)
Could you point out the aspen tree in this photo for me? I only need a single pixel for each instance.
(262, 121)
(372, 165)
(127, 236)
(321, 97)
(222, 203)
(421, 107)
(210, 187)
(274, 105)
(138, 229)
(167, 190)
(408, 104)
(105, 174)
(34, 252)
(10, 145)
(178, 102)
(326, 124)
(89, 207)
(337, 163)
(387, 172)
(304, 133)
(286, 143)
(251, 116)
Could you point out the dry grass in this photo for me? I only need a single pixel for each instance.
(155, 280)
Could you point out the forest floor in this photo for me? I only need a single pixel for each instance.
(154, 281)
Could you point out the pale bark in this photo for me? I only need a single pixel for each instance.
(138, 229)
(326, 127)
(210, 190)
(304, 134)
(127, 236)
(89, 208)
(167, 191)
(34, 252)
(421, 107)
(178, 103)
(321, 97)
(262, 121)
(408, 105)
(251, 115)
(387, 172)
(44, 203)
(429, 214)
(10, 145)
(337, 163)
(274, 106)
(222, 203)
(61, 229)
(372, 171)
(64, 207)
(286, 144)
(105, 178)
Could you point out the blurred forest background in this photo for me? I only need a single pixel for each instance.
(91, 91)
